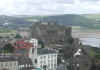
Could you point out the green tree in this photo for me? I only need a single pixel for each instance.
(41, 43)
(68, 51)
(18, 36)
(8, 48)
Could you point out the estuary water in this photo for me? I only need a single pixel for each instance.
(88, 37)
(95, 42)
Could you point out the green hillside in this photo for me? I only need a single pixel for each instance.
(93, 16)
(73, 20)
(84, 21)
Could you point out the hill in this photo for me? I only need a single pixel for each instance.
(72, 20)
(84, 21)
(92, 16)
(13, 22)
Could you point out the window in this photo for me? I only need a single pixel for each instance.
(48, 65)
(35, 60)
(32, 50)
(48, 56)
(55, 60)
(49, 60)
(1, 64)
(10, 64)
(44, 57)
(6, 64)
(51, 65)
(44, 61)
(41, 65)
(41, 62)
(41, 57)
(55, 65)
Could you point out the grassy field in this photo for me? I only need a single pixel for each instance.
(7, 32)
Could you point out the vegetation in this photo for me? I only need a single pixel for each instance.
(69, 53)
(95, 58)
(8, 48)
(87, 20)
(18, 36)
(5, 32)
(69, 47)
(93, 16)
(95, 52)
(40, 42)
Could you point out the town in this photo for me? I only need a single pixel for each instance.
(49, 34)
(44, 46)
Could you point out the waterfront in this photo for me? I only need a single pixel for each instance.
(88, 37)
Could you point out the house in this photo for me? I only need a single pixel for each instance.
(20, 57)
(22, 47)
(46, 59)
(43, 58)
(8, 63)
(24, 32)
(25, 63)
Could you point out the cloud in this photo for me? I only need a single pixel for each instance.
(48, 7)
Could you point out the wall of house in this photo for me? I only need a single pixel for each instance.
(9, 65)
(47, 60)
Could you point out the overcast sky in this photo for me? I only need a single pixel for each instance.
(48, 7)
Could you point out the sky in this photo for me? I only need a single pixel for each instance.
(48, 7)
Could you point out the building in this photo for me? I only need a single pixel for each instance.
(43, 58)
(24, 32)
(8, 63)
(50, 33)
(22, 47)
(33, 50)
(25, 63)
(81, 60)
(20, 57)
(47, 59)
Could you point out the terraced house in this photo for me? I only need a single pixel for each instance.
(8, 63)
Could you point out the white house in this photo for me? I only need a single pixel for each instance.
(43, 58)
(46, 59)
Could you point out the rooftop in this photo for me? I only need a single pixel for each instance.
(4, 58)
(42, 51)
(22, 44)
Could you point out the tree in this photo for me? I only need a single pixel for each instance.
(41, 43)
(69, 40)
(68, 51)
(8, 48)
(18, 36)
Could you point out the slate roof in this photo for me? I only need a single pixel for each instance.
(8, 58)
(23, 60)
(42, 51)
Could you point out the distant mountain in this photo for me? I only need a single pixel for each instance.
(95, 17)
(72, 20)
(67, 19)
(13, 22)
(92, 16)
